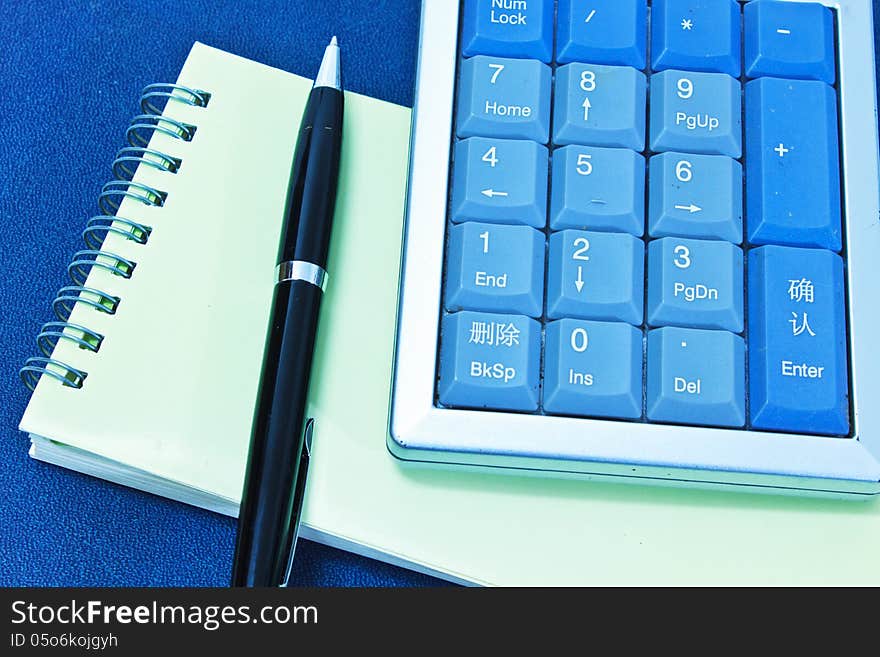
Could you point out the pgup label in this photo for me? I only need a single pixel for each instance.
(697, 121)
(497, 371)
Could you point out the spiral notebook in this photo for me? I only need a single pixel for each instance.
(148, 374)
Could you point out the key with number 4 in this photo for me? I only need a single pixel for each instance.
(500, 181)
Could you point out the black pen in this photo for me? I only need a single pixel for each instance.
(274, 484)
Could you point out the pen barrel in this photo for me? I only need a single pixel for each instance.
(269, 507)
(311, 197)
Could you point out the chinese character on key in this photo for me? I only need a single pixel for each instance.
(804, 326)
(801, 290)
(507, 335)
(482, 333)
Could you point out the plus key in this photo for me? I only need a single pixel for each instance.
(791, 135)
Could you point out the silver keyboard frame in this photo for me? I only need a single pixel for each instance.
(650, 453)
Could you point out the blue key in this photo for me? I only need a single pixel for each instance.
(789, 40)
(602, 31)
(696, 113)
(696, 377)
(508, 98)
(696, 35)
(596, 276)
(508, 28)
(598, 189)
(695, 196)
(600, 106)
(695, 283)
(490, 361)
(593, 368)
(495, 268)
(792, 163)
(797, 334)
(500, 181)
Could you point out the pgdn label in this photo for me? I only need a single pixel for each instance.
(497, 371)
(508, 12)
(695, 292)
(697, 121)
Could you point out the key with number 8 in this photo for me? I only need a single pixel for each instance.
(600, 105)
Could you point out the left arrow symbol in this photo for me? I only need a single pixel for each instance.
(492, 193)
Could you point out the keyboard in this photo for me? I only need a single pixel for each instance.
(640, 242)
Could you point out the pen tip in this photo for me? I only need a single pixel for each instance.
(330, 73)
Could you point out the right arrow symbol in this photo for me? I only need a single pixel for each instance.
(579, 283)
(690, 208)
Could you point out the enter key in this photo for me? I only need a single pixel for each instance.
(798, 377)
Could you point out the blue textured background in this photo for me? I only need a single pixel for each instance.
(70, 76)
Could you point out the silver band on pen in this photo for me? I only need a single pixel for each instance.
(300, 270)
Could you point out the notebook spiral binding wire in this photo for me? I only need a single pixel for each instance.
(153, 100)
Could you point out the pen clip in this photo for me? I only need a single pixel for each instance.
(299, 494)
